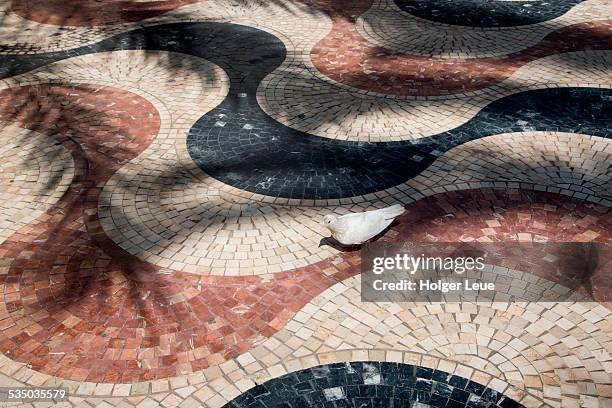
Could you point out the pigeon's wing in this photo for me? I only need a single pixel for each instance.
(390, 212)
(379, 220)
(354, 229)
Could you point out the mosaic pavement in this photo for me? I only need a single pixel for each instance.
(165, 166)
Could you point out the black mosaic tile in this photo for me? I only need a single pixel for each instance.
(271, 159)
(477, 402)
(487, 13)
(381, 386)
(458, 382)
(460, 395)
(491, 395)
(443, 389)
(474, 388)
(238, 144)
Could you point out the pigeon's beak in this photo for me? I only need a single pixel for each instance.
(323, 227)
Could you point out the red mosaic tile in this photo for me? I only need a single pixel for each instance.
(346, 57)
(77, 306)
(482, 216)
(103, 315)
(91, 13)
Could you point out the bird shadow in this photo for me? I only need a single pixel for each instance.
(333, 242)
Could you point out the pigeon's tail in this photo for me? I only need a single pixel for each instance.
(393, 211)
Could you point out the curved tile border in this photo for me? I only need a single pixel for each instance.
(92, 13)
(241, 146)
(496, 13)
(244, 149)
(258, 231)
(234, 368)
(499, 344)
(35, 172)
(75, 334)
(488, 352)
(524, 159)
(179, 227)
(372, 383)
(347, 58)
(411, 75)
(174, 323)
(337, 112)
(21, 36)
(386, 25)
(46, 245)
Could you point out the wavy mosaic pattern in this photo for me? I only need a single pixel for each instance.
(92, 13)
(495, 13)
(359, 384)
(264, 157)
(169, 323)
(163, 183)
(35, 173)
(412, 75)
(238, 144)
(392, 73)
(391, 28)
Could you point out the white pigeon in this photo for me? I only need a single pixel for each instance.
(357, 228)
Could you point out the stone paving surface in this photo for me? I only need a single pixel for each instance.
(386, 24)
(372, 383)
(491, 14)
(92, 13)
(165, 166)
